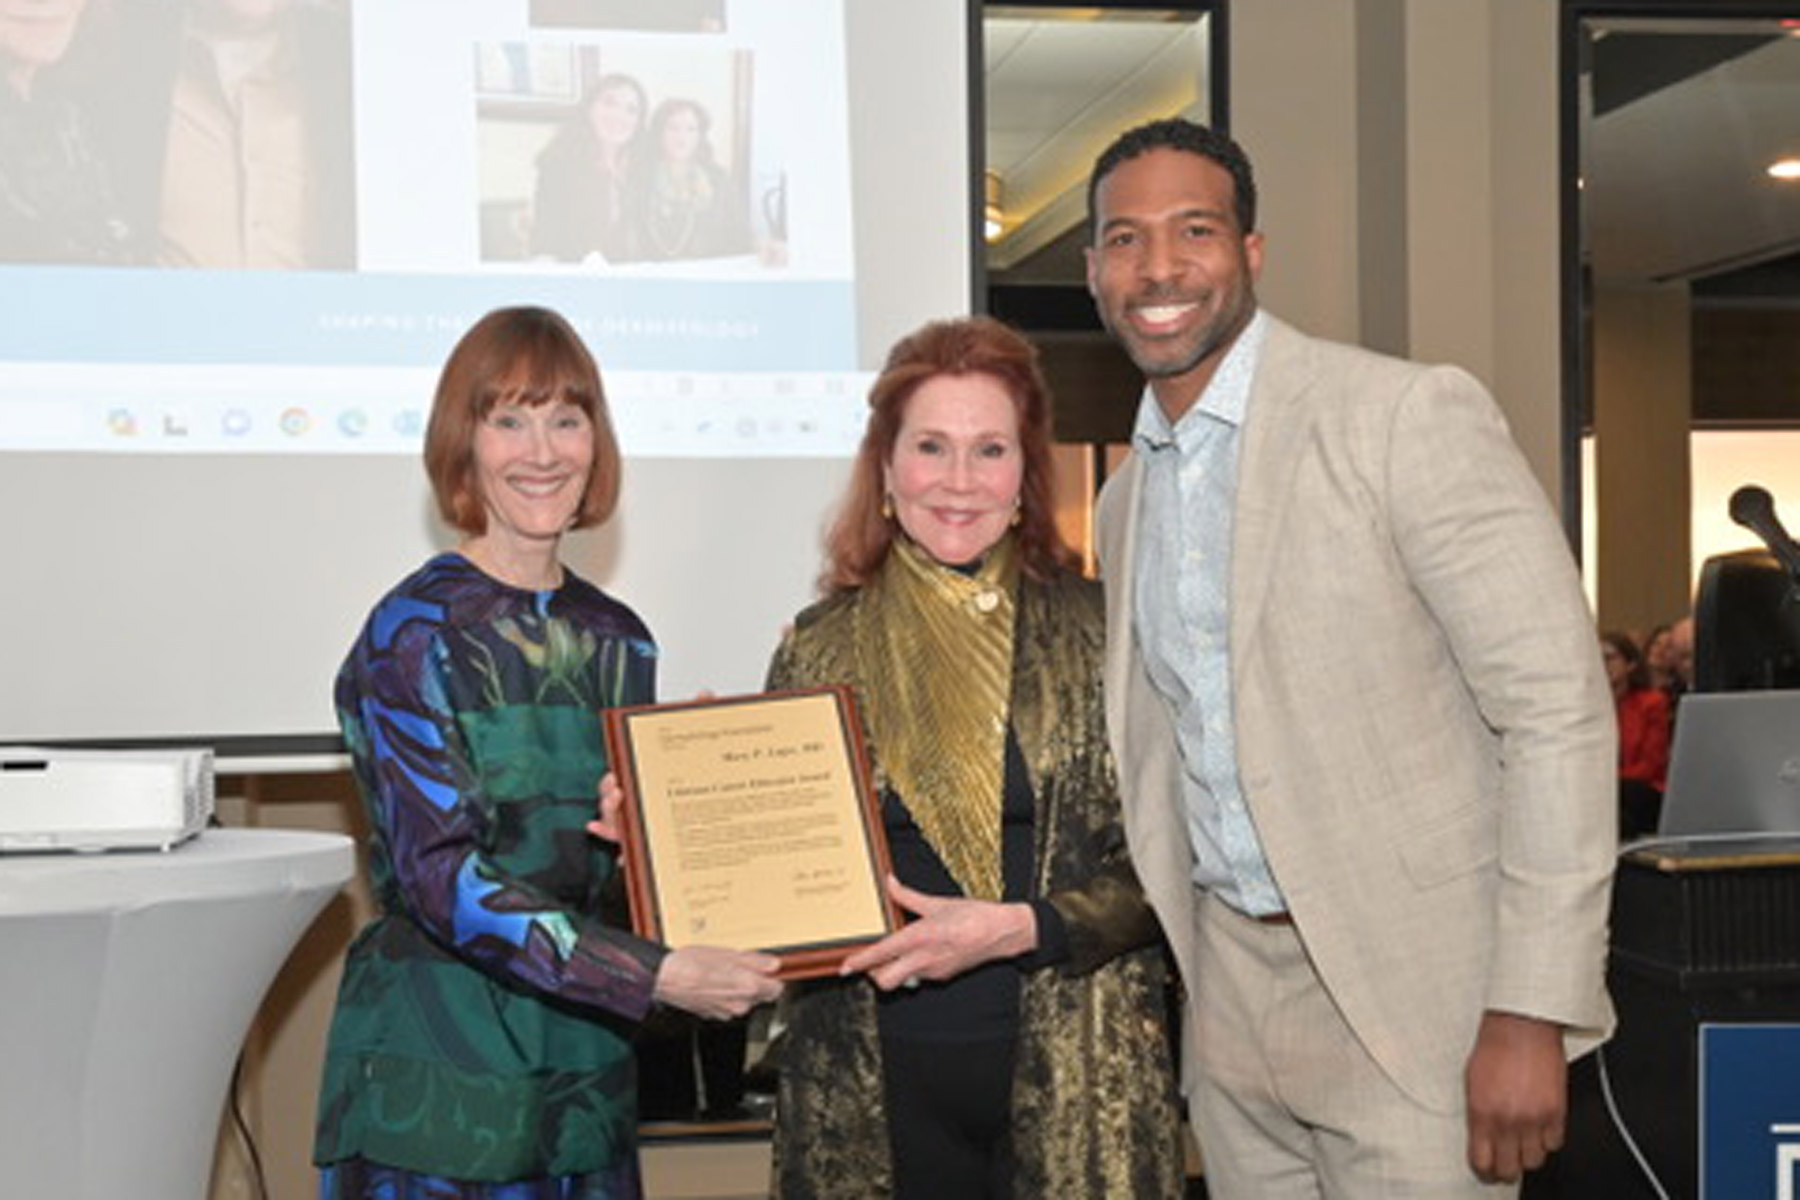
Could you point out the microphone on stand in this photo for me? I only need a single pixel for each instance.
(1754, 509)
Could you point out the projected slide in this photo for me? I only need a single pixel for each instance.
(229, 226)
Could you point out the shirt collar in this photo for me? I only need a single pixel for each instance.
(1226, 398)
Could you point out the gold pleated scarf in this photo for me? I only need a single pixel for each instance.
(936, 649)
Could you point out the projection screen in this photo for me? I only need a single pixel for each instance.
(215, 368)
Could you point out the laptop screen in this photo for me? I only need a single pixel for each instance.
(1734, 767)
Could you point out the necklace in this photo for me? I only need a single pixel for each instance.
(675, 210)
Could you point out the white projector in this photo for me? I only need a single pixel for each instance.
(84, 800)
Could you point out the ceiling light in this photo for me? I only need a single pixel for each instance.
(993, 222)
(1785, 168)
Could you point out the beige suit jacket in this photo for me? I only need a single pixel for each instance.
(1425, 735)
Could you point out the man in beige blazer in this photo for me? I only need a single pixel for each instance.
(1364, 739)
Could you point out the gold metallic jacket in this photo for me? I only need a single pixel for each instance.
(1094, 1101)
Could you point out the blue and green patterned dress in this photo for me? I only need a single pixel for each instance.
(481, 1045)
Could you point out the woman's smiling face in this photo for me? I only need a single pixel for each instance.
(957, 466)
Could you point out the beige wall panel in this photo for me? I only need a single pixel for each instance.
(1642, 379)
(1292, 91)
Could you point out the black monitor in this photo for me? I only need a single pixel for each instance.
(1746, 624)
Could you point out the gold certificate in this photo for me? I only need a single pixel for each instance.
(750, 823)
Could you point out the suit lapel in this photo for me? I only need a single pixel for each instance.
(1119, 584)
(1276, 427)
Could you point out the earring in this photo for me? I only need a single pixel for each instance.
(887, 507)
(1018, 514)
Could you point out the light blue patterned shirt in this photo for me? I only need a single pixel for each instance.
(1183, 585)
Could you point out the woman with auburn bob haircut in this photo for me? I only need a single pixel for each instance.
(527, 357)
(481, 1047)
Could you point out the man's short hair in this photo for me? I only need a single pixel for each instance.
(1189, 137)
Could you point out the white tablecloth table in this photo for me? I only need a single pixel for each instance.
(127, 982)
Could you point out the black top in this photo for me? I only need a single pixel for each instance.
(982, 1004)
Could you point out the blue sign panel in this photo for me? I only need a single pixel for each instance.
(1749, 1112)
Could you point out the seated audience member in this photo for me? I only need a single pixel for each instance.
(1643, 715)
(1658, 659)
(1681, 656)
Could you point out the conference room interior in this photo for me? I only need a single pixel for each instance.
(1566, 197)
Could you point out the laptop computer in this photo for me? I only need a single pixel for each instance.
(1734, 770)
